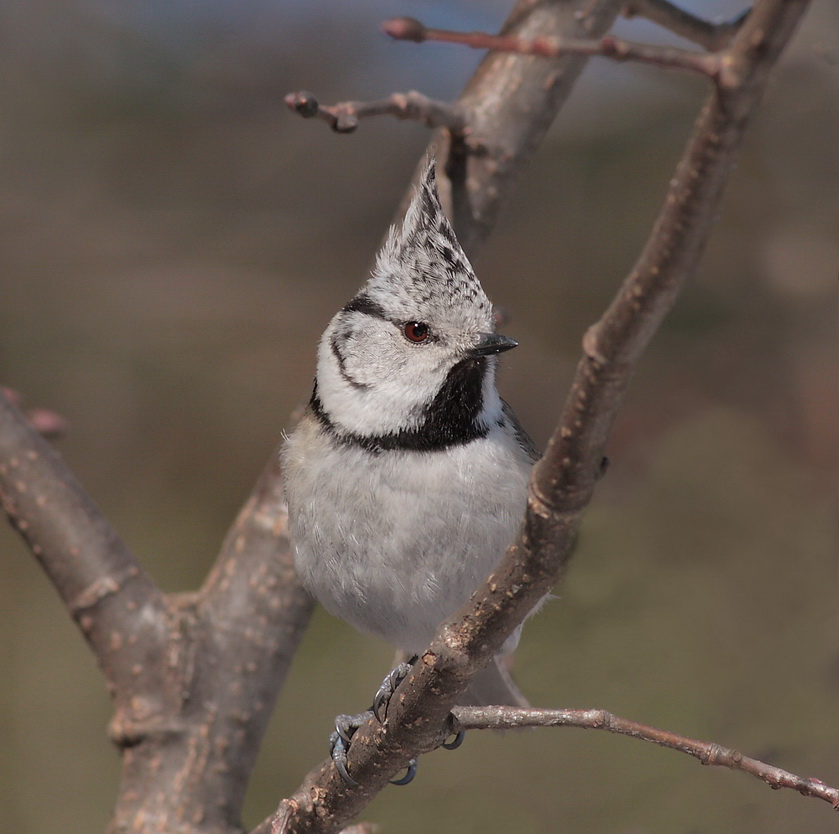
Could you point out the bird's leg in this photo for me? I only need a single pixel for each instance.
(389, 685)
(385, 692)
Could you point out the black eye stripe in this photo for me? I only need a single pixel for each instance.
(416, 332)
(364, 304)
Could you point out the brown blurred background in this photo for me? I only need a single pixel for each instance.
(174, 242)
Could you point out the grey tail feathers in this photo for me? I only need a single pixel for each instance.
(493, 686)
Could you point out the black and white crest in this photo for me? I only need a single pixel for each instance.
(422, 261)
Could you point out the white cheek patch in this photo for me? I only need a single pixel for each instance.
(375, 386)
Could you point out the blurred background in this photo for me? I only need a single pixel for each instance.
(174, 242)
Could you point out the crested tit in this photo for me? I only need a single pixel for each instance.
(406, 479)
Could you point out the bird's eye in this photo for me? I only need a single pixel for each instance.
(415, 331)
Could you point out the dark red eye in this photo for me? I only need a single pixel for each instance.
(415, 331)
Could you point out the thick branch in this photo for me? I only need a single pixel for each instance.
(230, 649)
(618, 49)
(345, 116)
(259, 612)
(118, 608)
(510, 102)
(711, 36)
(563, 481)
(708, 753)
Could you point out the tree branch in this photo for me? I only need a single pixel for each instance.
(510, 103)
(708, 753)
(506, 107)
(711, 36)
(229, 650)
(195, 675)
(189, 710)
(345, 116)
(115, 604)
(618, 49)
(563, 481)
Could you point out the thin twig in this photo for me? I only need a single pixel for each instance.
(711, 36)
(345, 116)
(609, 46)
(708, 753)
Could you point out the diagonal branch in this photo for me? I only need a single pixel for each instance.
(708, 753)
(609, 46)
(711, 36)
(563, 481)
(105, 590)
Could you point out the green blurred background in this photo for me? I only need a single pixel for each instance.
(174, 242)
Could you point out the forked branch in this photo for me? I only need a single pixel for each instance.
(711, 36)
(252, 590)
(344, 116)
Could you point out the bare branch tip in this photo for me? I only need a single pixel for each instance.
(49, 424)
(302, 103)
(405, 29)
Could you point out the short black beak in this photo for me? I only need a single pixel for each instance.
(488, 344)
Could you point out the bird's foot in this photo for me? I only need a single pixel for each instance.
(340, 739)
(339, 745)
(346, 726)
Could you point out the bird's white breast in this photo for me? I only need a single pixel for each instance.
(394, 543)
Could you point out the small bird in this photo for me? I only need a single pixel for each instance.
(406, 478)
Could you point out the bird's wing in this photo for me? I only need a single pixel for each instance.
(523, 438)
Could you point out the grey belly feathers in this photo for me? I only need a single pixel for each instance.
(395, 543)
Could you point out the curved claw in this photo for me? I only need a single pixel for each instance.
(346, 725)
(380, 703)
(343, 732)
(455, 742)
(386, 690)
(409, 776)
(338, 753)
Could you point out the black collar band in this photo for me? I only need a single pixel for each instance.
(452, 418)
